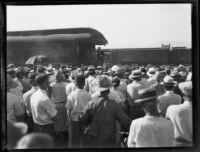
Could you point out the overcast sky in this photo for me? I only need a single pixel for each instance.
(124, 26)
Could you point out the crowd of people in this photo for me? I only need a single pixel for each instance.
(94, 107)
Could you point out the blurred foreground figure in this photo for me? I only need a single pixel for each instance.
(181, 116)
(35, 141)
(151, 130)
(14, 132)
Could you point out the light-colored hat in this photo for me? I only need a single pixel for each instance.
(168, 81)
(49, 70)
(135, 74)
(151, 71)
(115, 68)
(186, 87)
(146, 95)
(104, 83)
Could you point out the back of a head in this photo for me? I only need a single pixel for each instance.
(35, 141)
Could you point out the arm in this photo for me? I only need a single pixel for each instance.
(19, 111)
(131, 142)
(121, 116)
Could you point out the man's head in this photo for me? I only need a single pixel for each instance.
(42, 80)
(148, 101)
(186, 89)
(32, 77)
(136, 75)
(80, 81)
(168, 83)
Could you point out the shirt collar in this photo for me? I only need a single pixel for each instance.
(43, 91)
(169, 92)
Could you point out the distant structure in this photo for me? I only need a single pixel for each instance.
(71, 46)
(161, 55)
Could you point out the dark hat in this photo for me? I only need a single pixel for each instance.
(146, 95)
(41, 78)
(168, 81)
(104, 83)
(135, 74)
(176, 76)
(41, 69)
(116, 81)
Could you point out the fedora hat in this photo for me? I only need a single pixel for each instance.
(146, 95)
(186, 87)
(104, 83)
(168, 81)
(151, 71)
(10, 83)
(135, 74)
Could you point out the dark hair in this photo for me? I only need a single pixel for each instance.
(151, 107)
(168, 88)
(41, 78)
(104, 93)
(80, 81)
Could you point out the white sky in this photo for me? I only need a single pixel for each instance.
(124, 26)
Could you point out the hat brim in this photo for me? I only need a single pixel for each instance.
(132, 77)
(169, 84)
(145, 99)
(103, 89)
(149, 74)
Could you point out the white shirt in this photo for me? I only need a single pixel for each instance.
(14, 107)
(43, 110)
(76, 101)
(167, 99)
(27, 97)
(70, 87)
(151, 131)
(181, 117)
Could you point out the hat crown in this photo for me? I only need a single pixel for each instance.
(136, 73)
(151, 70)
(104, 81)
(168, 79)
(148, 93)
(186, 87)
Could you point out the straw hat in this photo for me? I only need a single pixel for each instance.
(168, 81)
(151, 71)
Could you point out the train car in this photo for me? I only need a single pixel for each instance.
(160, 55)
(71, 46)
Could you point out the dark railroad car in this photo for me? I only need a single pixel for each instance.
(70, 46)
(162, 55)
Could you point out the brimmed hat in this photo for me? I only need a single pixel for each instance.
(99, 68)
(186, 87)
(168, 81)
(104, 83)
(49, 70)
(135, 74)
(151, 71)
(10, 83)
(146, 95)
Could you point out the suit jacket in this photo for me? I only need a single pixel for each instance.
(104, 113)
